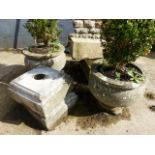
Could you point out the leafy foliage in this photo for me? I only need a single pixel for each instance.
(130, 74)
(134, 76)
(117, 75)
(126, 40)
(43, 30)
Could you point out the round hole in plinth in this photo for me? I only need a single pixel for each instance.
(39, 76)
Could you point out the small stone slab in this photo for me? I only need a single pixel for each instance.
(86, 48)
(40, 89)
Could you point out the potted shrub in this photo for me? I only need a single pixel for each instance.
(47, 50)
(118, 82)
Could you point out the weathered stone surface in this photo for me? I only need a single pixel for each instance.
(81, 30)
(78, 23)
(82, 48)
(114, 93)
(96, 36)
(98, 23)
(40, 95)
(94, 30)
(89, 23)
(58, 112)
(85, 35)
(75, 35)
(57, 62)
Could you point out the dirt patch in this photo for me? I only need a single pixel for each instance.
(152, 108)
(102, 119)
(150, 95)
(89, 114)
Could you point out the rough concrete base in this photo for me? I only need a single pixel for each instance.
(40, 95)
(45, 98)
(84, 48)
(58, 112)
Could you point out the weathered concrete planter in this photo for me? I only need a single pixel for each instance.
(114, 93)
(55, 60)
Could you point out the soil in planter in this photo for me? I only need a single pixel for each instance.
(44, 49)
(110, 72)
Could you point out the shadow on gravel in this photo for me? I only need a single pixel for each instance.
(89, 115)
(20, 115)
(86, 112)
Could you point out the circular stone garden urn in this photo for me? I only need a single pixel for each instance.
(114, 94)
(55, 60)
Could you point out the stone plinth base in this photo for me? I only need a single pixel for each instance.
(42, 91)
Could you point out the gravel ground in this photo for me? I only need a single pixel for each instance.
(86, 117)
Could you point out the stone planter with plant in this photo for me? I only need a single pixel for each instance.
(48, 50)
(118, 82)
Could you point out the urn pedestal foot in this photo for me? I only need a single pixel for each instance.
(113, 110)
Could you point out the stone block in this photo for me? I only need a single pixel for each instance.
(57, 113)
(98, 23)
(89, 23)
(81, 30)
(86, 48)
(89, 35)
(96, 36)
(78, 23)
(40, 89)
(95, 31)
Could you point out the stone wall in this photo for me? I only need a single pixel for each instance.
(87, 28)
(85, 42)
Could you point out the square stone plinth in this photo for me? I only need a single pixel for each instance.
(86, 48)
(58, 112)
(40, 89)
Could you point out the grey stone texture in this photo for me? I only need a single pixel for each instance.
(56, 60)
(58, 112)
(81, 30)
(95, 30)
(89, 23)
(42, 96)
(88, 27)
(98, 23)
(78, 23)
(114, 93)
